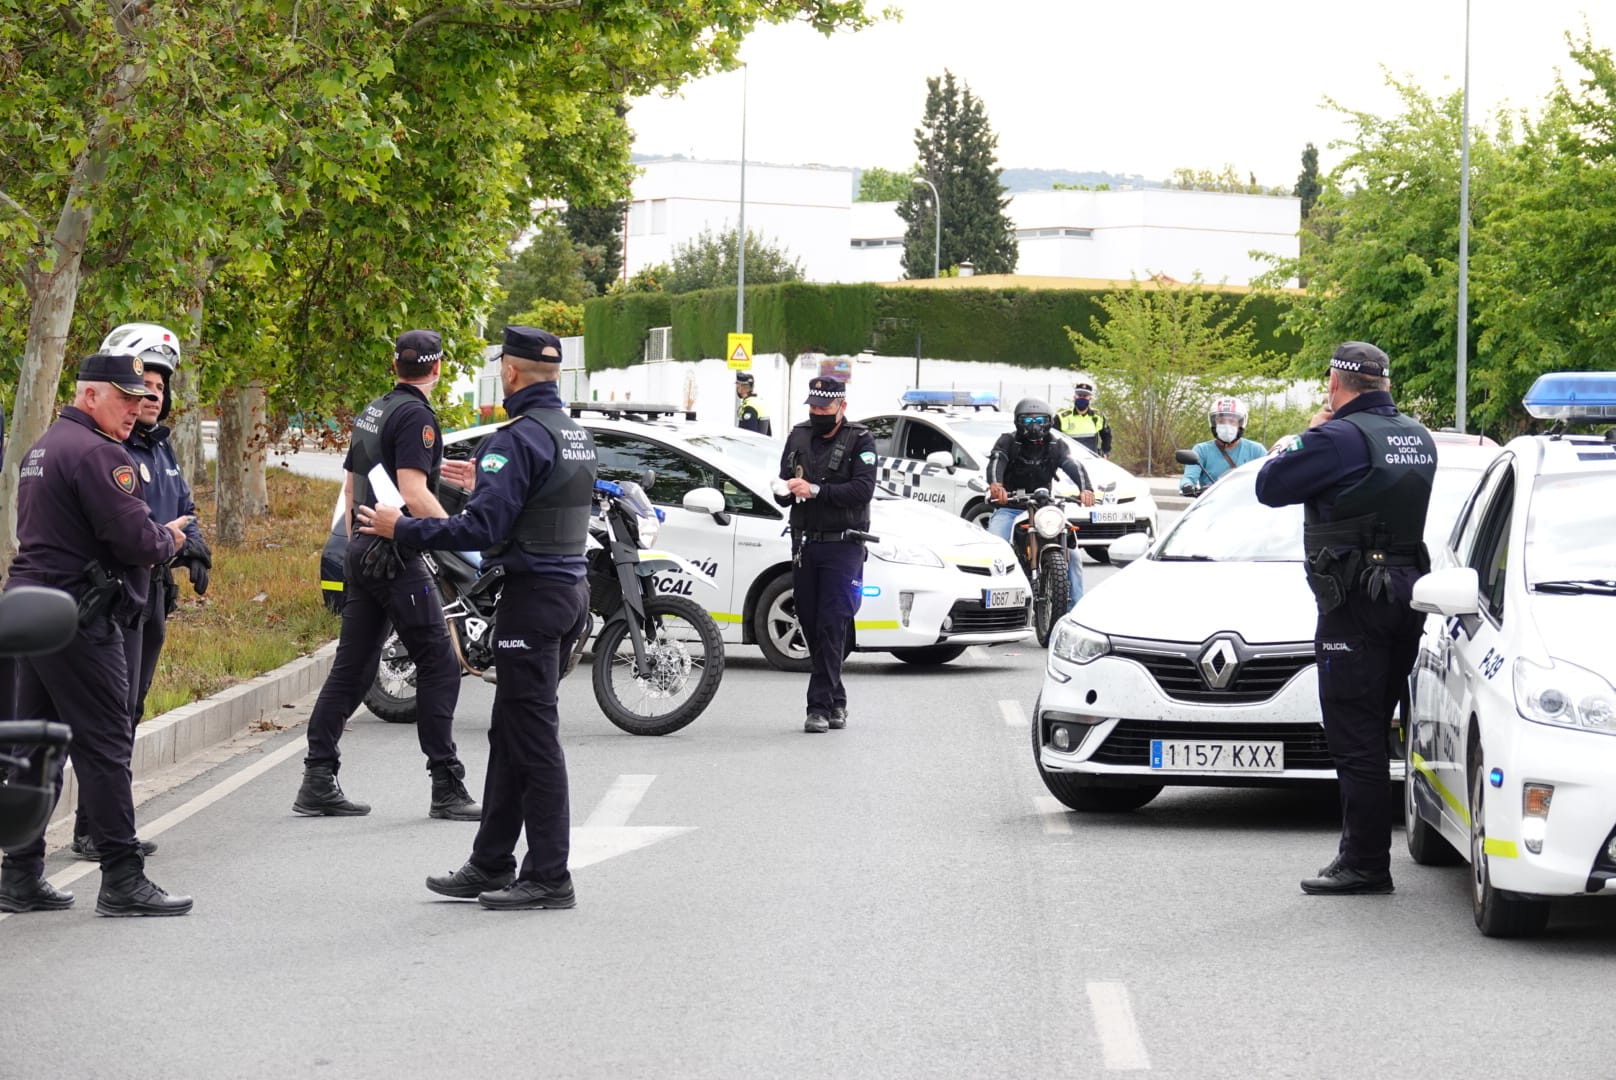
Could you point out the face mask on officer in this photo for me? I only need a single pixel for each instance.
(825, 423)
(1227, 433)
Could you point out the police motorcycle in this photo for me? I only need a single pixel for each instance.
(1045, 541)
(658, 659)
(33, 621)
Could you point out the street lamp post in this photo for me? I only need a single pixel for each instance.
(740, 232)
(937, 233)
(1462, 362)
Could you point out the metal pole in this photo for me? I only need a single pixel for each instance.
(937, 231)
(740, 232)
(1460, 405)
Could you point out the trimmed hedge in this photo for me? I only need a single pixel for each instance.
(1024, 327)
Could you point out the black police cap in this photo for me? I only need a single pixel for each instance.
(825, 390)
(418, 347)
(1362, 357)
(122, 370)
(531, 343)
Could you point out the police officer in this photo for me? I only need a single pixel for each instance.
(1082, 422)
(1363, 473)
(827, 477)
(1225, 451)
(532, 490)
(1027, 459)
(749, 414)
(389, 584)
(83, 527)
(169, 497)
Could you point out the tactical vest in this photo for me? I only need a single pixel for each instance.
(555, 518)
(367, 446)
(1378, 522)
(1030, 474)
(813, 515)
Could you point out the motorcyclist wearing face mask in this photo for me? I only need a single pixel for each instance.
(1227, 449)
(1025, 460)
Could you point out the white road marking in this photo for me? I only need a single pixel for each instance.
(1014, 715)
(1057, 820)
(1120, 1044)
(617, 805)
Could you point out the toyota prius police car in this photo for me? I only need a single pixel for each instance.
(1512, 747)
(933, 585)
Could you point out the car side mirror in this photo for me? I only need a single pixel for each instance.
(706, 500)
(943, 459)
(1186, 457)
(1129, 548)
(1453, 592)
(36, 620)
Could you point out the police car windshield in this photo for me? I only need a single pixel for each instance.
(760, 454)
(1571, 528)
(984, 432)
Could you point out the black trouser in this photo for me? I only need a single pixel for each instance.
(86, 686)
(409, 603)
(828, 586)
(1365, 650)
(142, 644)
(536, 623)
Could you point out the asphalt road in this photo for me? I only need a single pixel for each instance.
(898, 899)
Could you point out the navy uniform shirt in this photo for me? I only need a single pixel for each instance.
(1322, 462)
(411, 438)
(162, 486)
(511, 463)
(856, 491)
(78, 501)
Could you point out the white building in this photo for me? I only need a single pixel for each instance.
(1101, 235)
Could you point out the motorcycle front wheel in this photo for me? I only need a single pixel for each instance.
(1050, 592)
(392, 695)
(685, 655)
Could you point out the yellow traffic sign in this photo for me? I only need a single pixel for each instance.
(740, 352)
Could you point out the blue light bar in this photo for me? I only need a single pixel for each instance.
(974, 399)
(1575, 397)
(608, 488)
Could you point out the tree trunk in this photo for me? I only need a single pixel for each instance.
(230, 509)
(187, 419)
(255, 404)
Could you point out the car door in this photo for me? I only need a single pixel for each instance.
(916, 439)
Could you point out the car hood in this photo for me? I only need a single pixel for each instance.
(1564, 624)
(1263, 602)
(905, 519)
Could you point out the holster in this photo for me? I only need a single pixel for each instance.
(1331, 577)
(102, 590)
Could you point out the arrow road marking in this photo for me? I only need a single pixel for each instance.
(619, 801)
(1014, 715)
(1120, 1044)
(606, 832)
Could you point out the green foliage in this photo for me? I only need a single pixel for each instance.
(597, 233)
(790, 319)
(709, 262)
(958, 154)
(548, 269)
(645, 279)
(884, 185)
(561, 319)
(1227, 180)
(1307, 182)
(615, 327)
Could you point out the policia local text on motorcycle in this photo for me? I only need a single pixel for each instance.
(1363, 473)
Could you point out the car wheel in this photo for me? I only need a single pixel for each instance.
(1426, 845)
(776, 629)
(978, 513)
(1078, 792)
(930, 655)
(1497, 915)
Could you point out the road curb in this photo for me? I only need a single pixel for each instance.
(179, 734)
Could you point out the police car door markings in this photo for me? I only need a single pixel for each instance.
(1491, 663)
(681, 584)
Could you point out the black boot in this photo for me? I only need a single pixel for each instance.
(450, 799)
(468, 882)
(321, 795)
(84, 847)
(126, 890)
(22, 891)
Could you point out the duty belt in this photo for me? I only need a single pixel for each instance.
(827, 537)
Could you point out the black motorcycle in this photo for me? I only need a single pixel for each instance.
(33, 621)
(1045, 542)
(658, 659)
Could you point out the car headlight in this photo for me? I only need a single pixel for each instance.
(1050, 521)
(910, 554)
(1078, 643)
(1564, 695)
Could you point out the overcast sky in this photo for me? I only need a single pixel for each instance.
(1119, 86)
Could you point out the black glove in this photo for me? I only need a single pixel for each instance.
(381, 561)
(197, 558)
(171, 592)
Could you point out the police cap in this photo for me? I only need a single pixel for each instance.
(825, 391)
(122, 370)
(744, 377)
(531, 343)
(418, 347)
(1362, 357)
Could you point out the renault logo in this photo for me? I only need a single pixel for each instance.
(1219, 663)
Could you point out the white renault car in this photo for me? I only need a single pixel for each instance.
(933, 586)
(1512, 747)
(934, 450)
(1194, 664)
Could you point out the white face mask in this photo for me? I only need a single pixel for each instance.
(1227, 432)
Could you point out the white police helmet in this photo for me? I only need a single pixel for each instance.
(157, 346)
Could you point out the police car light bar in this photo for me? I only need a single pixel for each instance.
(631, 410)
(1573, 397)
(945, 399)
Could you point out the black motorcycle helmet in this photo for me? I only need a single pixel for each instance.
(1034, 420)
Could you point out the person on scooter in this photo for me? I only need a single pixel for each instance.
(1027, 459)
(1227, 449)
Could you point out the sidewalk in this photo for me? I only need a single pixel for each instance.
(1164, 489)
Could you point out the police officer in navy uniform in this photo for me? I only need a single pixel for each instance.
(532, 492)
(827, 476)
(388, 584)
(1363, 473)
(749, 414)
(169, 497)
(82, 526)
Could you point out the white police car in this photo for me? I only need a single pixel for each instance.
(1512, 746)
(933, 586)
(1194, 664)
(935, 450)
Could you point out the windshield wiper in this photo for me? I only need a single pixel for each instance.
(1185, 558)
(1573, 588)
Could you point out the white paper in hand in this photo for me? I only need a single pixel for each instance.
(381, 485)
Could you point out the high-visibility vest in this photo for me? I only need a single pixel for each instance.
(1081, 425)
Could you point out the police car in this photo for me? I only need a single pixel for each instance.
(1194, 664)
(935, 450)
(1512, 747)
(933, 586)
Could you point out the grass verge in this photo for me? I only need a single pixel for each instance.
(263, 607)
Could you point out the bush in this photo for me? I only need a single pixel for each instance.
(615, 327)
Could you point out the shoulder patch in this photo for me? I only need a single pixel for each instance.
(867, 457)
(492, 463)
(1287, 444)
(428, 436)
(124, 477)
